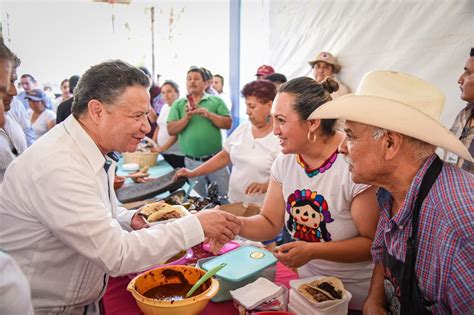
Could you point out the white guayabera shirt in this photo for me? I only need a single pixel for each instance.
(65, 232)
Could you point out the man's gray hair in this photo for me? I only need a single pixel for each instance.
(106, 82)
(420, 149)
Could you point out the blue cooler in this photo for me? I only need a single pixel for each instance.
(244, 265)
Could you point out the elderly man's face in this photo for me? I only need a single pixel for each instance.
(466, 81)
(321, 70)
(122, 125)
(362, 152)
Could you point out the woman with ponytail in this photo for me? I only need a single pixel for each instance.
(251, 148)
(312, 195)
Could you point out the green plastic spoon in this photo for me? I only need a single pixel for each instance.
(204, 278)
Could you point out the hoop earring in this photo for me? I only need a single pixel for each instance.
(311, 137)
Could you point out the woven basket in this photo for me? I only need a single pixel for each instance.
(141, 158)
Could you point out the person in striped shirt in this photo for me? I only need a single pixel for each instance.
(423, 246)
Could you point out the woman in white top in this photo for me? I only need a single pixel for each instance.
(311, 193)
(41, 118)
(251, 148)
(168, 145)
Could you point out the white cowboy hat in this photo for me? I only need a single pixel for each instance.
(397, 102)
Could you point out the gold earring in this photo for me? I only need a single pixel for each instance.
(311, 137)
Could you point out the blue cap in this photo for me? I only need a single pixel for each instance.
(37, 95)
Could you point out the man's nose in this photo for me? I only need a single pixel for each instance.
(343, 146)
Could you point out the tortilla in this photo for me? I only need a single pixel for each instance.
(148, 209)
(311, 294)
(323, 289)
(170, 212)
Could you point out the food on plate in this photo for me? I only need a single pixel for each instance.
(323, 289)
(163, 215)
(161, 211)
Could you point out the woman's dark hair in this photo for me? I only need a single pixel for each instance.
(106, 82)
(173, 84)
(309, 95)
(263, 90)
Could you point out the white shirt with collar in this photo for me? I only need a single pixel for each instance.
(58, 222)
(20, 115)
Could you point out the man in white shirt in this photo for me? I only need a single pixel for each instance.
(59, 217)
(12, 137)
(15, 296)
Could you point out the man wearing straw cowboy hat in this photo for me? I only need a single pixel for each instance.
(423, 245)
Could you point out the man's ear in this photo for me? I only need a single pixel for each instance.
(96, 110)
(392, 144)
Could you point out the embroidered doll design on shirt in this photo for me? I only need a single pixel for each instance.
(309, 215)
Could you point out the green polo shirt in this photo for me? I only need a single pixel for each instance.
(200, 137)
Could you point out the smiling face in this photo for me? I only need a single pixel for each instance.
(290, 129)
(122, 125)
(306, 215)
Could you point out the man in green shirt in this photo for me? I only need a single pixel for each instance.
(197, 121)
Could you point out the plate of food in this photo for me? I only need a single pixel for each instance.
(323, 293)
(160, 212)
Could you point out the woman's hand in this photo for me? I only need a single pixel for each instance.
(256, 188)
(294, 254)
(184, 172)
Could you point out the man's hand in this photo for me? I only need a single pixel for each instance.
(219, 226)
(138, 222)
(256, 188)
(294, 254)
(202, 112)
(375, 302)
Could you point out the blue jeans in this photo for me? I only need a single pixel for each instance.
(221, 177)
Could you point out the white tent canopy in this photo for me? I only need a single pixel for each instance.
(426, 38)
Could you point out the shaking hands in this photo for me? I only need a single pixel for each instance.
(219, 227)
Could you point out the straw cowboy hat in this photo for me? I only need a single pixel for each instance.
(328, 58)
(397, 102)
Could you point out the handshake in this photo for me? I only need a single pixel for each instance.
(219, 227)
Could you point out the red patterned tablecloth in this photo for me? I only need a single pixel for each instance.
(118, 301)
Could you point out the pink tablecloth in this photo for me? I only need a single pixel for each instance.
(118, 301)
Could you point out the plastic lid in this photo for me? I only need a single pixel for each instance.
(241, 263)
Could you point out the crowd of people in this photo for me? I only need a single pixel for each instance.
(360, 197)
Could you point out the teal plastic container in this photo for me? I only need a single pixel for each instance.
(244, 265)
